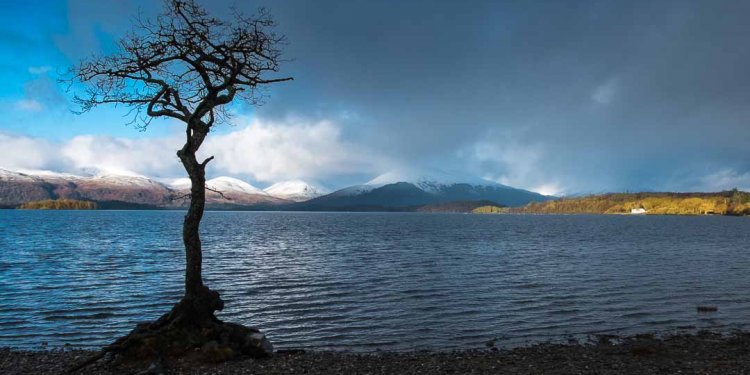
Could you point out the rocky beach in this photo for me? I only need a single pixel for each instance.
(701, 353)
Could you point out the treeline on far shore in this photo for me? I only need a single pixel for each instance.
(732, 202)
(59, 204)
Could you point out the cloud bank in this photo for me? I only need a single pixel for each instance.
(262, 151)
(276, 151)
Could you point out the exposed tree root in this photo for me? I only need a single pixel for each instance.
(190, 329)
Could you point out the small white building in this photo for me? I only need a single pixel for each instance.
(638, 211)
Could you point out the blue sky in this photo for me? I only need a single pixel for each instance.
(558, 97)
(38, 43)
(26, 46)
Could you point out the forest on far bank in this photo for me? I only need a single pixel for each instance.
(59, 204)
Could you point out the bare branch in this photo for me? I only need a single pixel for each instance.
(205, 162)
(184, 65)
(218, 192)
(182, 197)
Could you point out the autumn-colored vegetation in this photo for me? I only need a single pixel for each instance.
(733, 202)
(59, 204)
(490, 209)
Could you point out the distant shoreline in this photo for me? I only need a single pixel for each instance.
(506, 212)
(728, 203)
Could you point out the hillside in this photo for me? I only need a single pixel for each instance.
(732, 202)
(449, 187)
(401, 196)
(128, 191)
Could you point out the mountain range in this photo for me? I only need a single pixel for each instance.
(128, 190)
(391, 191)
(404, 191)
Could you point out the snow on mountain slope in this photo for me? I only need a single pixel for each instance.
(17, 187)
(178, 183)
(34, 175)
(229, 184)
(6, 175)
(353, 190)
(432, 181)
(121, 178)
(295, 190)
(129, 180)
(26, 185)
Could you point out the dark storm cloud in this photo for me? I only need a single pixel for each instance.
(581, 96)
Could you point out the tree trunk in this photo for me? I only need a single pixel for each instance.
(191, 324)
(191, 226)
(199, 303)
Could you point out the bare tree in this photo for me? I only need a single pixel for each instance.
(185, 65)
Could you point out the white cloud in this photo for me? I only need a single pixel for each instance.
(270, 151)
(21, 152)
(510, 160)
(30, 105)
(296, 148)
(266, 151)
(152, 157)
(39, 69)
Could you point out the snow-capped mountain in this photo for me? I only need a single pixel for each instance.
(6, 175)
(433, 181)
(33, 175)
(129, 180)
(22, 186)
(233, 185)
(179, 183)
(390, 191)
(113, 189)
(295, 190)
(401, 189)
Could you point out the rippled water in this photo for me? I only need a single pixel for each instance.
(363, 281)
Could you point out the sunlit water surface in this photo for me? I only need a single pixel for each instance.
(367, 281)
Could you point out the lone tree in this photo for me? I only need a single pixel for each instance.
(187, 65)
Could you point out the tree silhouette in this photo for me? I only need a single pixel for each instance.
(185, 65)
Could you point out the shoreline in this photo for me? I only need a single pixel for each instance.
(703, 352)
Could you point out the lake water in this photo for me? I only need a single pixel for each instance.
(367, 281)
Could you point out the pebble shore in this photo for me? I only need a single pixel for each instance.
(702, 353)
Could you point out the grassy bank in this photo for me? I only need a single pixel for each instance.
(732, 202)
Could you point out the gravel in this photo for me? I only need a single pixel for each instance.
(702, 353)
